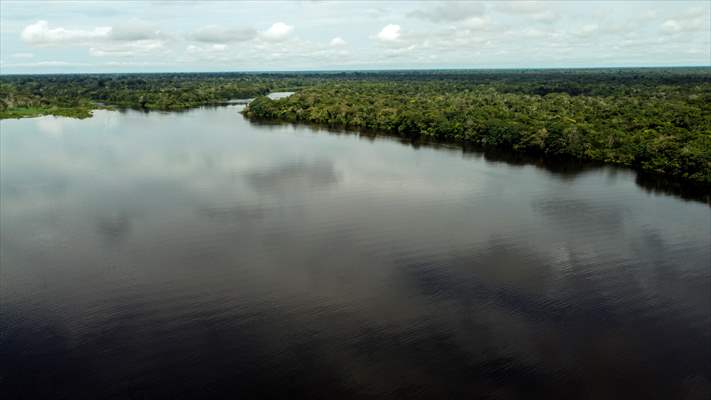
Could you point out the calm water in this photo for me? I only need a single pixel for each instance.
(200, 255)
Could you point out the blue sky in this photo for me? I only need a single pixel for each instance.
(120, 36)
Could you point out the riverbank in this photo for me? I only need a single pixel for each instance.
(655, 120)
(81, 112)
(666, 136)
(30, 112)
(649, 181)
(76, 95)
(132, 240)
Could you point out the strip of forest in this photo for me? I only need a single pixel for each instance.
(656, 120)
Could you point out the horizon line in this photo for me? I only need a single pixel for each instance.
(302, 71)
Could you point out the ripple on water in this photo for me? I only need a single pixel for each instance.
(199, 255)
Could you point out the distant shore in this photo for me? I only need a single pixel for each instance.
(653, 120)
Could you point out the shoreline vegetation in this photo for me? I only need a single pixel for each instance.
(655, 120)
(23, 96)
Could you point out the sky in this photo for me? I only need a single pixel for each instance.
(136, 36)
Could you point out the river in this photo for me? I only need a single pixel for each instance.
(197, 254)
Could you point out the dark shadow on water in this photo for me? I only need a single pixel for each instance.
(195, 258)
(662, 185)
(492, 284)
(564, 169)
(284, 178)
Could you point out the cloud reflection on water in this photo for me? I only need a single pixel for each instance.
(178, 259)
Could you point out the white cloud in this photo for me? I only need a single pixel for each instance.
(134, 30)
(397, 52)
(586, 30)
(649, 14)
(215, 52)
(338, 42)
(127, 49)
(545, 16)
(390, 33)
(203, 49)
(217, 34)
(44, 64)
(22, 55)
(110, 64)
(41, 34)
(478, 23)
(692, 20)
(535, 10)
(191, 36)
(298, 53)
(127, 39)
(449, 11)
(672, 26)
(521, 7)
(277, 32)
(695, 12)
(533, 33)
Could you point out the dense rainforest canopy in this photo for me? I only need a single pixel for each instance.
(656, 120)
(77, 95)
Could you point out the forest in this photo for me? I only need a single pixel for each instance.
(77, 95)
(656, 120)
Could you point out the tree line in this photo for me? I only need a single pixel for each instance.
(76, 95)
(653, 119)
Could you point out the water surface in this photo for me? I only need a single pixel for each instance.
(196, 254)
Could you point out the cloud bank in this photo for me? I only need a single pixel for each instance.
(203, 36)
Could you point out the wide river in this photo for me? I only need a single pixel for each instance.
(197, 254)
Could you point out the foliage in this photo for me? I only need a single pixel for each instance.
(51, 94)
(655, 120)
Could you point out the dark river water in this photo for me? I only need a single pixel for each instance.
(196, 254)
